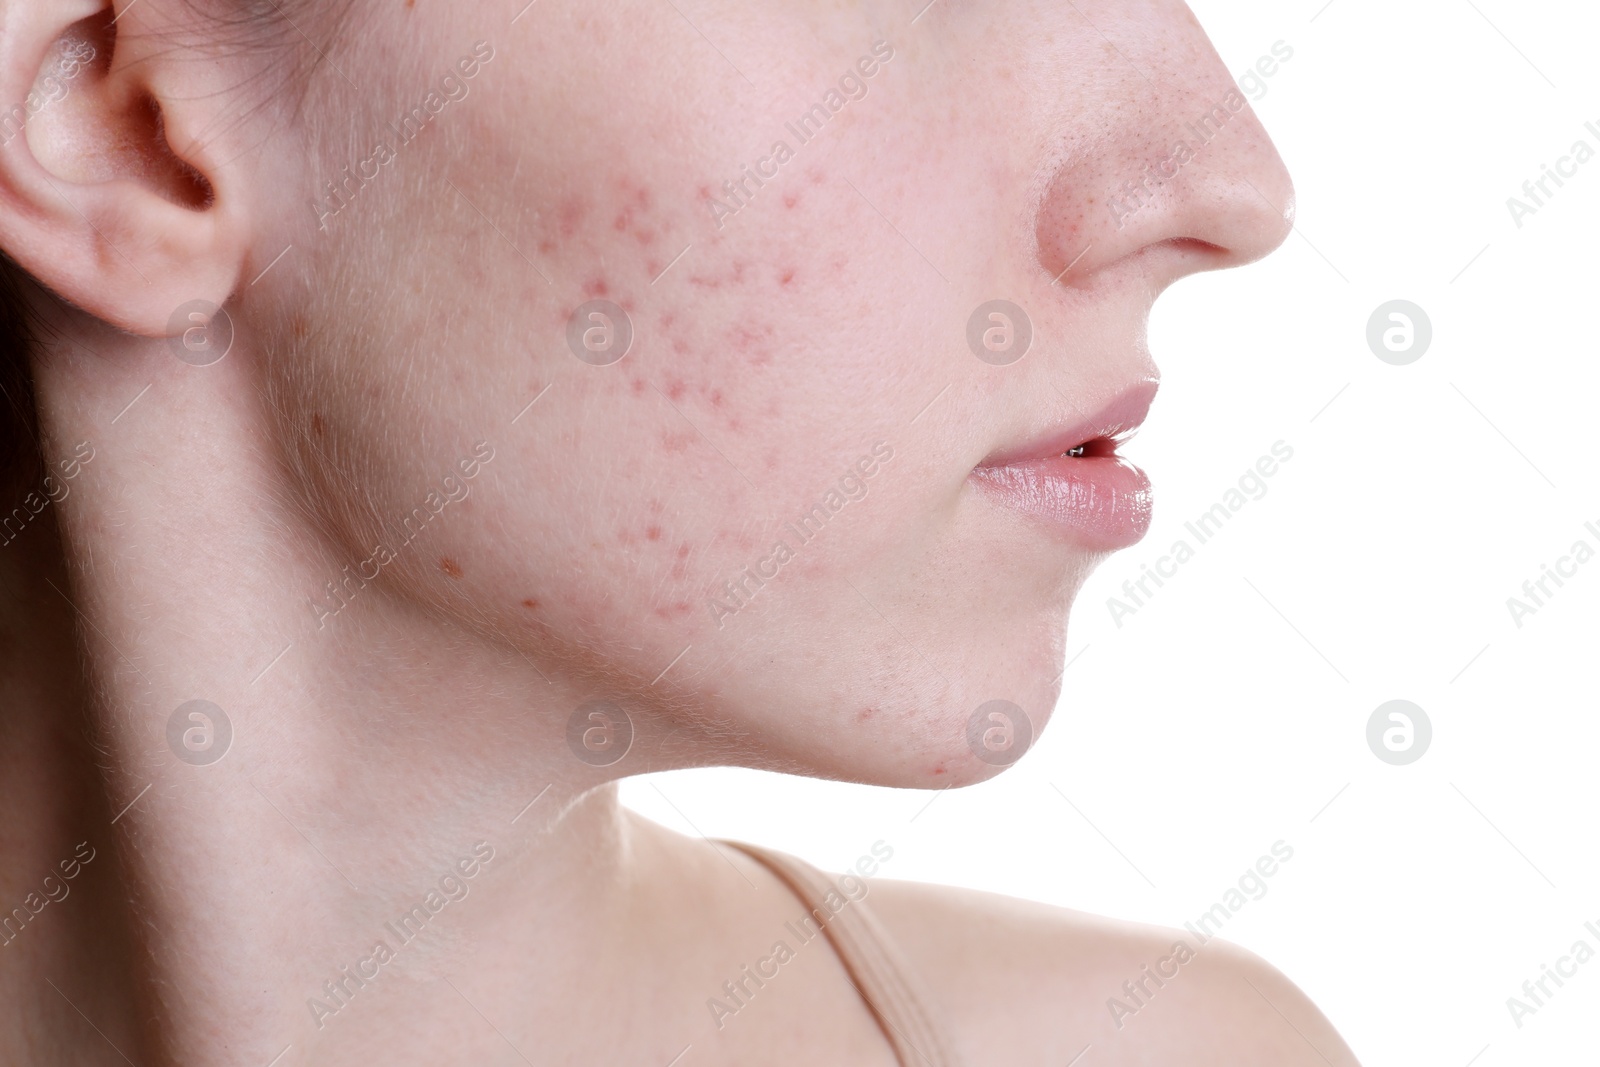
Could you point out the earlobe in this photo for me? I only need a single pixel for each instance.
(105, 195)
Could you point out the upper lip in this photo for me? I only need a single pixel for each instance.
(1112, 423)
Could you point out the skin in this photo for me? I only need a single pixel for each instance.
(376, 741)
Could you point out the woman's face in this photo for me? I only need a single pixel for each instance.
(809, 512)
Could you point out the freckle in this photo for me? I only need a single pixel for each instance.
(531, 604)
(788, 276)
(653, 533)
(450, 567)
(597, 287)
(790, 200)
(316, 424)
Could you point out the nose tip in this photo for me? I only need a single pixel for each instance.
(1200, 187)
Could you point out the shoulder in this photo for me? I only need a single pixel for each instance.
(1020, 983)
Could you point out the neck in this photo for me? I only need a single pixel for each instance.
(396, 796)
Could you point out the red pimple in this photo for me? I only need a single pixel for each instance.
(675, 390)
(531, 604)
(450, 567)
(788, 276)
(652, 533)
(596, 287)
(790, 200)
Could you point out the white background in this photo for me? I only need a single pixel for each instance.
(1230, 712)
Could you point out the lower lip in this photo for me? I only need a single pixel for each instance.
(1102, 502)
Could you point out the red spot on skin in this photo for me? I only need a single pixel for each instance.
(865, 713)
(316, 424)
(638, 387)
(653, 533)
(298, 325)
(738, 271)
(790, 200)
(655, 507)
(531, 604)
(597, 287)
(680, 346)
(450, 567)
(683, 551)
(705, 283)
(645, 237)
(546, 247)
(570, 215)
(816, 176)
(939, 769)
(716, 398)
(788, 276)
(705, 192)
(675, 443)
(675, 390)
(667, 320)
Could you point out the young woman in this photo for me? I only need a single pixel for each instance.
(423, 415)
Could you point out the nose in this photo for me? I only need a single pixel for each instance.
(1179, 177)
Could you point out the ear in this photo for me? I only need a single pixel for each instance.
(108, 194)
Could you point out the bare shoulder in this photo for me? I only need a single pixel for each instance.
(1019, 983)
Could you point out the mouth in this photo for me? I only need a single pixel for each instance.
(1071, 479)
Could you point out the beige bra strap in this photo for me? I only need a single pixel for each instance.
(889, 987)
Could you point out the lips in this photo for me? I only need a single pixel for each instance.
(1071, 479)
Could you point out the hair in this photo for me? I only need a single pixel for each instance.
(270, 30)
